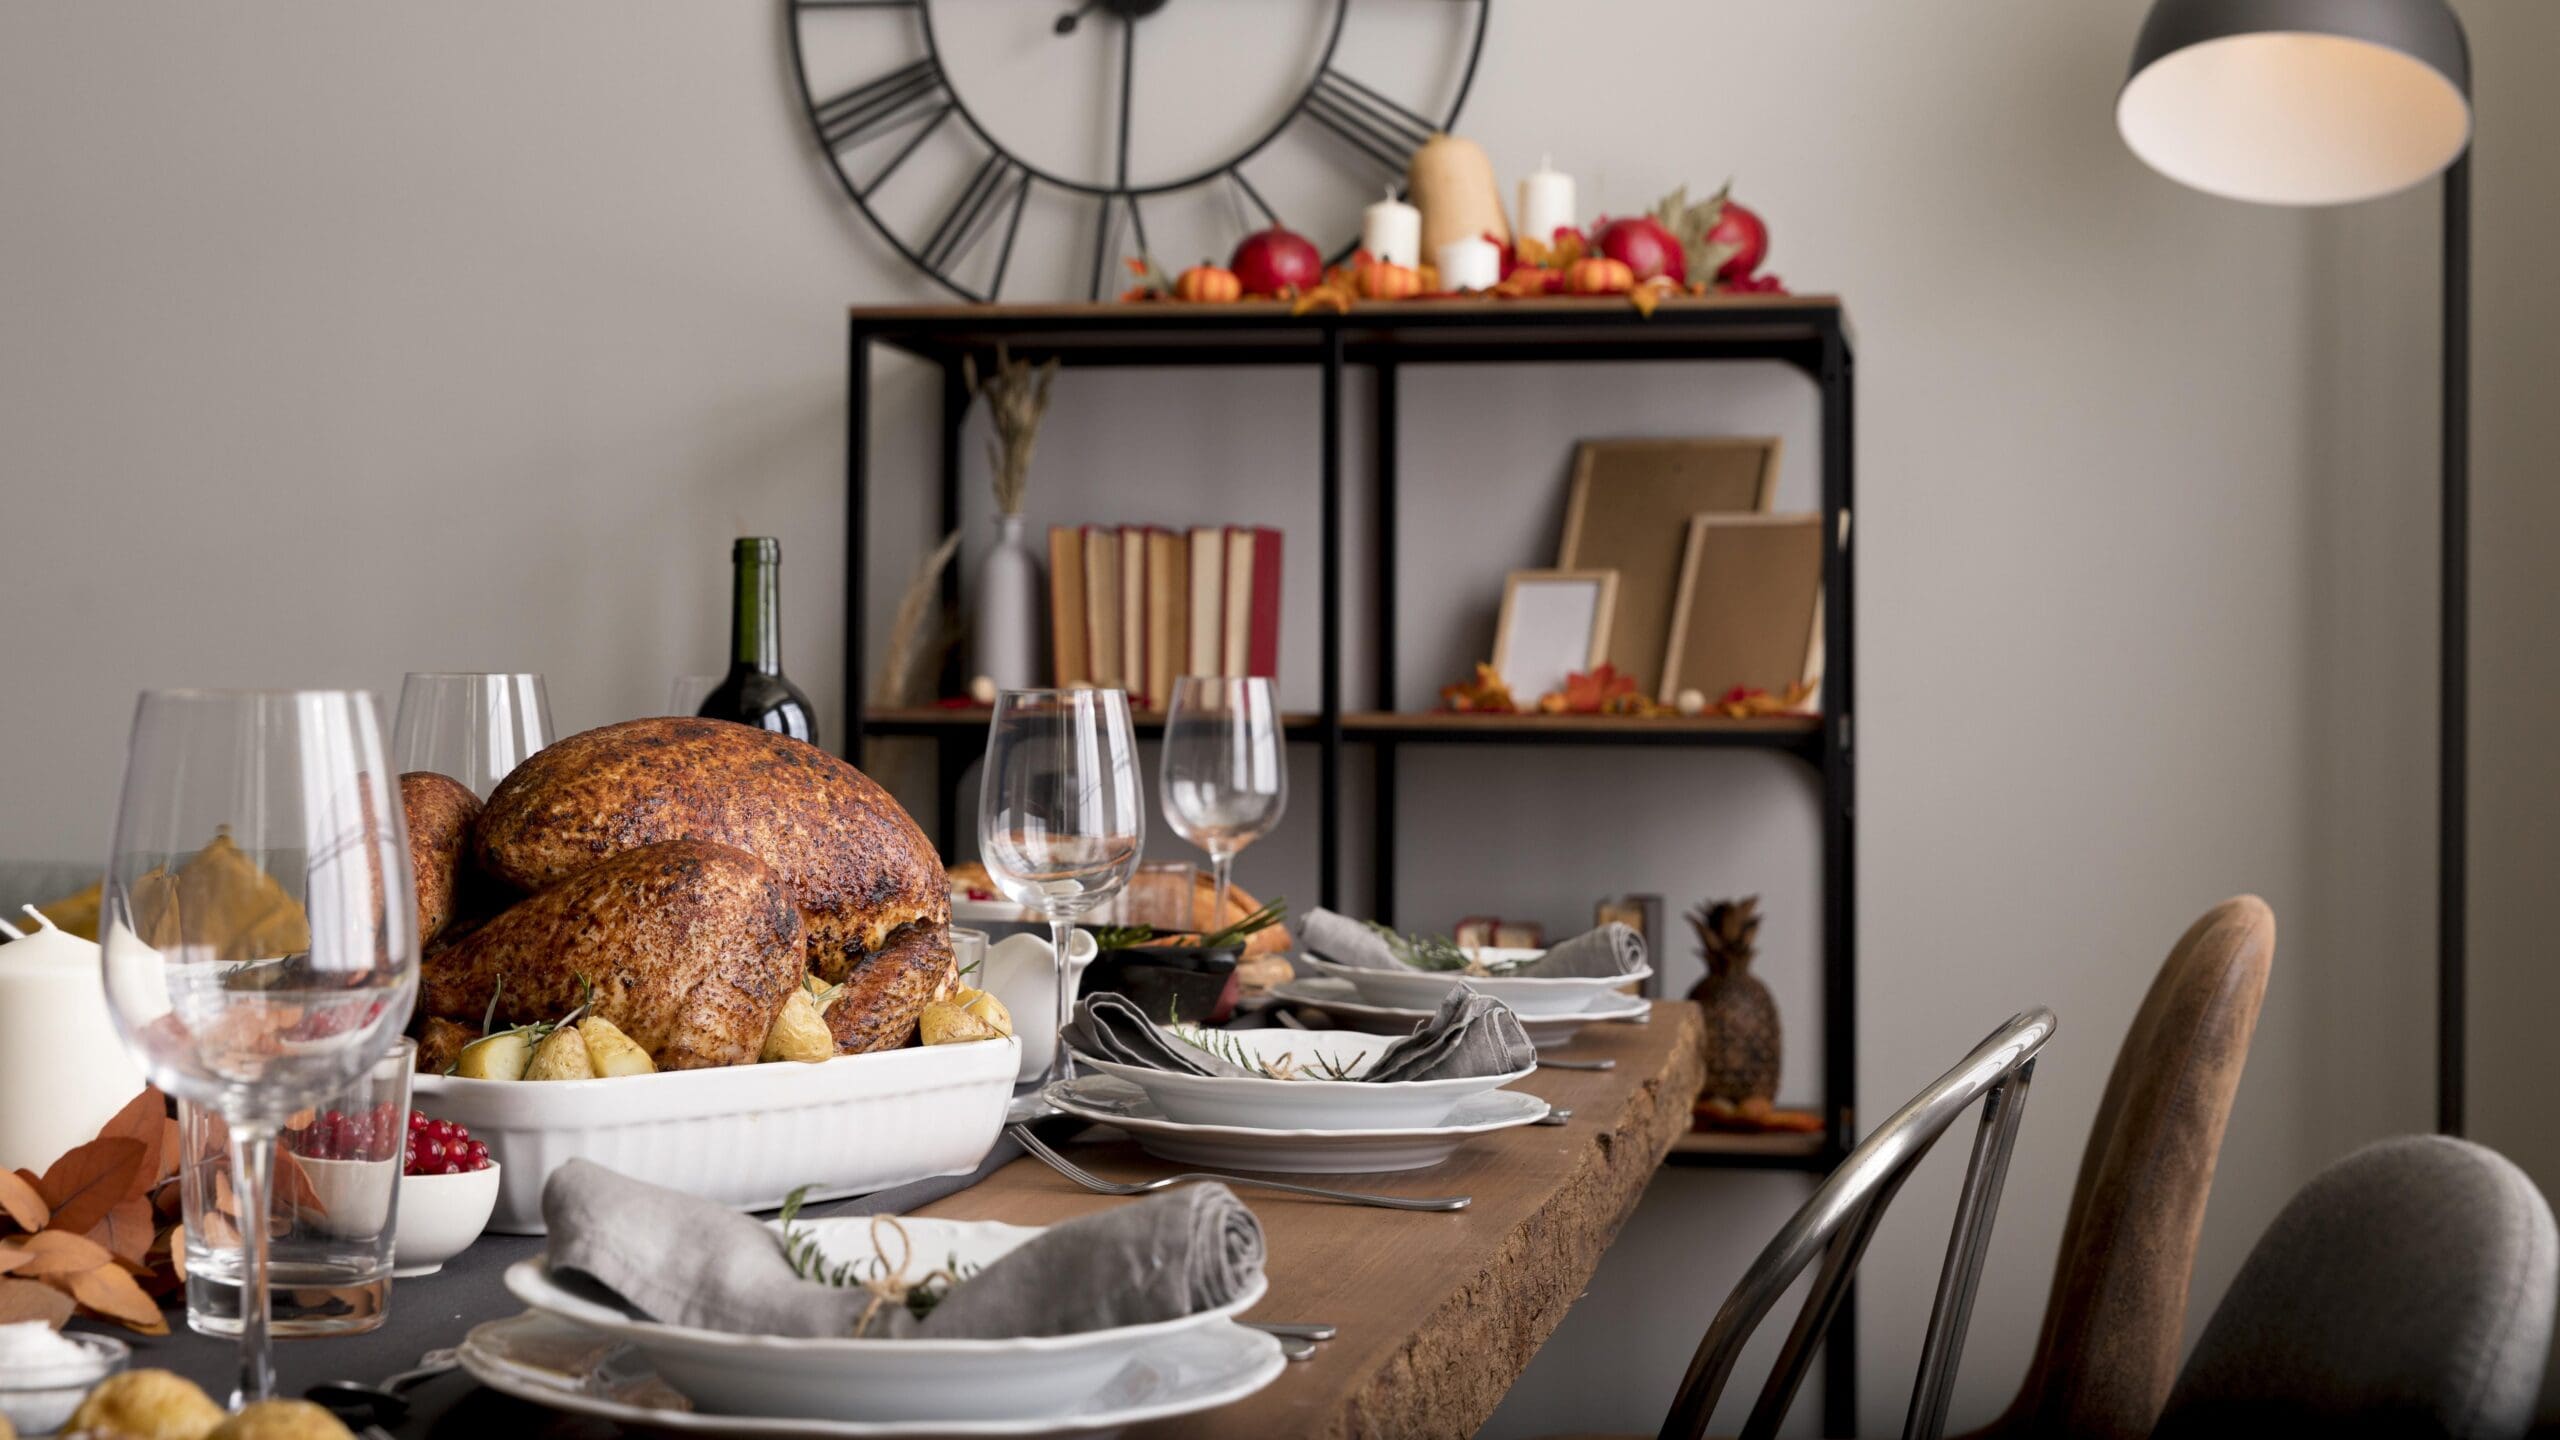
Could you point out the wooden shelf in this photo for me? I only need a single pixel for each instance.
(1781, 1150)
(1782, 732)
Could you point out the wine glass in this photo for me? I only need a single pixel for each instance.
(260, 926)
(1061, 816)
(1226, 775)
(474, 728)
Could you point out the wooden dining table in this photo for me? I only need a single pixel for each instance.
(1438, 1313)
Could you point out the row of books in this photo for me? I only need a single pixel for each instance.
(1133, 607)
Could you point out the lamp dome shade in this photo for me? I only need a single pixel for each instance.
(2298, 102)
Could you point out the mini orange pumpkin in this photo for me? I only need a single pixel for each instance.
(1208, 285)
(1382, 281)
(1599, 275)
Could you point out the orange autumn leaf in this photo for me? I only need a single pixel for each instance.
(144, 1118)
(109, 1291)
(23, 1203)
(88, 1180)
(126, 1231)
(28, 1300)
(59, 1252)
(12, 1256)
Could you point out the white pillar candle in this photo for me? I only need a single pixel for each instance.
(1391, 231)
(1470, 264)
(1546, 203)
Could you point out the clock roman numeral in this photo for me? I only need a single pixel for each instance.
(1376, 126)
(881, 104)
(973, 214)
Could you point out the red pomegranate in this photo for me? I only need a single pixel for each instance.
(1277, 262)
(1645, 247)
(1742, 229)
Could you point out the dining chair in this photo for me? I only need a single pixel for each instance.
(2406, 1291)
(2115, 1319)
(1836, 1224)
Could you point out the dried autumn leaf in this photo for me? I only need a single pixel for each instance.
(126, 1231)
(144, 1118)
(29, 1300)
(23, 1202)
(168, 1148)
(11, 1256)
(88, 1180)
(110, 1292)
(293, 1185)
(59, 1252)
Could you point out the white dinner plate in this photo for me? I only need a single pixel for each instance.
(1295, 1152)
(1337, 998)
(1257, 1103)
(550, 1362)
(1529, 996)
(878, 1380)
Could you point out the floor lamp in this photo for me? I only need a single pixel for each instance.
(2327, 102)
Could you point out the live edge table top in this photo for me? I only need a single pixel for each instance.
(1439, 1313)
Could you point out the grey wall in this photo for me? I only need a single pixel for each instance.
(343, 340)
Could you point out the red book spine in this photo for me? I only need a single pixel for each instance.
(1262, 654)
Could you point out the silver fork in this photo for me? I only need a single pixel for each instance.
(1100, 1186)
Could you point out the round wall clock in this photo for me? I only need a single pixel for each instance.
(1027, 149)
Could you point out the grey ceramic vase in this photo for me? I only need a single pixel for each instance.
(1006, 641)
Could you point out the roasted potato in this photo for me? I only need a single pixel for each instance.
(282, 1420)
(502, 1056)
(986, 1007)
(611, 1052)
(146, 1405)
(562, 1055)
(947, 1022)
(799, 1032)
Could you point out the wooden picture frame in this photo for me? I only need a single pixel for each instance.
(1749, 608)
(1628, 511)
(1553, 622)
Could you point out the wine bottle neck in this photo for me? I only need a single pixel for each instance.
(756, 638)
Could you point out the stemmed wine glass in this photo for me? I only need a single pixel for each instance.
(260, 926)
(1061, 815)
(473, 728)
(1226, 775)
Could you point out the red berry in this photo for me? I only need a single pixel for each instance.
(417, 1119)
(479, 1156)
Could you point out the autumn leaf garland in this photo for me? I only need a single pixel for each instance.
(94, 1232)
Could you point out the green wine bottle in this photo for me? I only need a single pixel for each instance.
(755, 691)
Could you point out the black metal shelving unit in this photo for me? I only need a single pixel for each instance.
(1810, 333)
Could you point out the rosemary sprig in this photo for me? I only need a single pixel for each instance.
(1130, 937)
(809, 1262)
(1285, 1066)
(1440, 954)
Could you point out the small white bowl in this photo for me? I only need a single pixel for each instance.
(440, 1215)
(1253, 1103)
(37, 1399)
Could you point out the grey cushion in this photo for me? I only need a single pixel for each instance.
(2406, 1291)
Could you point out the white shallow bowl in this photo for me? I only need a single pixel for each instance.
(744, 1135)
(1255, 1103)
(1530, 997)
(1118, 1103)
(440, 1215)
(1337, 999)
(549, 1362)
(915, 1379)
(36, 1399)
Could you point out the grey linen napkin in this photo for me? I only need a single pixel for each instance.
(1469, 1035)
(1613, 949)
(682, 1260)
(1345, 941)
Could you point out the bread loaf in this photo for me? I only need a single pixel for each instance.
(691, 949)
(856, 864)
(440, 811)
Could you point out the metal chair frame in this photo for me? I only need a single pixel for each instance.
(1841, 1218)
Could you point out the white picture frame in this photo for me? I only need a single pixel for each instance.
(1554, 622)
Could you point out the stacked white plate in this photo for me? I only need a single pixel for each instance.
(1308, 1125)
(1531, 997)
(1337, 998)
(583, 1356)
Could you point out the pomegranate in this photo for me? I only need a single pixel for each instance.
(1742, 229)
(1643, 246)
(1277, 262)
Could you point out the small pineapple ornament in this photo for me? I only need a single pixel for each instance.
(1742, 1020)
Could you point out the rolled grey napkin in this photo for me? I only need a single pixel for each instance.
(1469, 1035)
(1112, 1027)
(1345, 941)
(1613, 949)
(682, 1260)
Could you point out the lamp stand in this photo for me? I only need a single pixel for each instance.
(2453, 703)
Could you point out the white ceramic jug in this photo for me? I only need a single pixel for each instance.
(1018, 973)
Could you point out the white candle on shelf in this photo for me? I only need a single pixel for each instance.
(1471, 264)
(1546, 203)
(1391, 231)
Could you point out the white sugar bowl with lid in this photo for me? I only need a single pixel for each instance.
(64, 1071)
